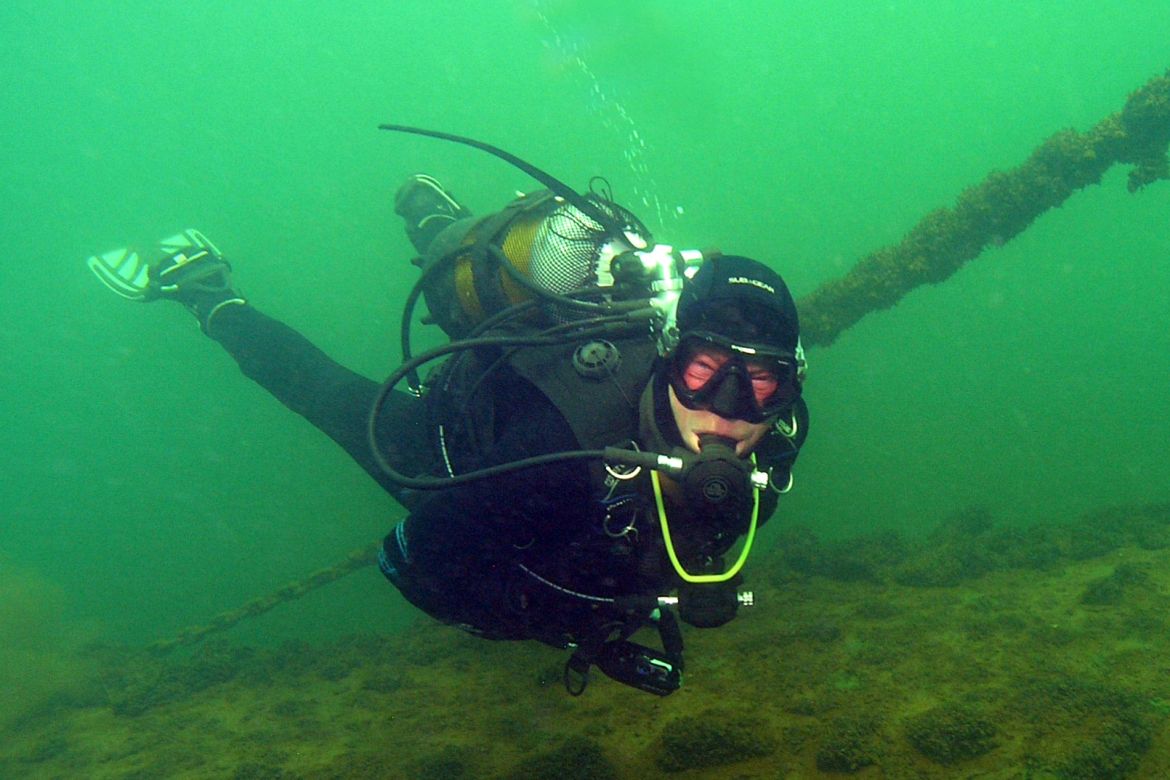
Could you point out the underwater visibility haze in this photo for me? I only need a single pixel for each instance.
(985, 480)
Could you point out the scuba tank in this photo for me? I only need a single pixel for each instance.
(536, 246)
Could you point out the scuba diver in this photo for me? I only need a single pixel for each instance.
(609, 420)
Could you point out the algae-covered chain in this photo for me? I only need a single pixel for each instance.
(996, 210)
(357, 559)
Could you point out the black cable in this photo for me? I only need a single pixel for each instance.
(412, 377)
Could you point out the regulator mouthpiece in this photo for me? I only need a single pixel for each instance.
(718, 482)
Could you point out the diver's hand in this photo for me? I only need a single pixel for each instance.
(185, 267)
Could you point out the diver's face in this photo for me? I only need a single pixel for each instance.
(695, 422)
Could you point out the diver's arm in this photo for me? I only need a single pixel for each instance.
(460, 544)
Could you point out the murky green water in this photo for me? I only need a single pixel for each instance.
(146, 485)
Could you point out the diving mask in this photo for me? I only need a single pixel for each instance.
(734, 380)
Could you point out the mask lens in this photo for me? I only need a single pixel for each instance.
(707, 376)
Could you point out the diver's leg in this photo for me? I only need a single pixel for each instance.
(189, 269)
(334, 399)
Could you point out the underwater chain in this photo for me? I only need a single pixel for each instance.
(995, 210)
(357, 559)
(990, 213)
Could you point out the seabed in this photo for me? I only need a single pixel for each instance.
(977, 652)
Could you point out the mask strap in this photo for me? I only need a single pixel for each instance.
(678, 567)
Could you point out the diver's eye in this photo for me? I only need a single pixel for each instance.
(699, 370)
(764, 384)
(697, 374)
